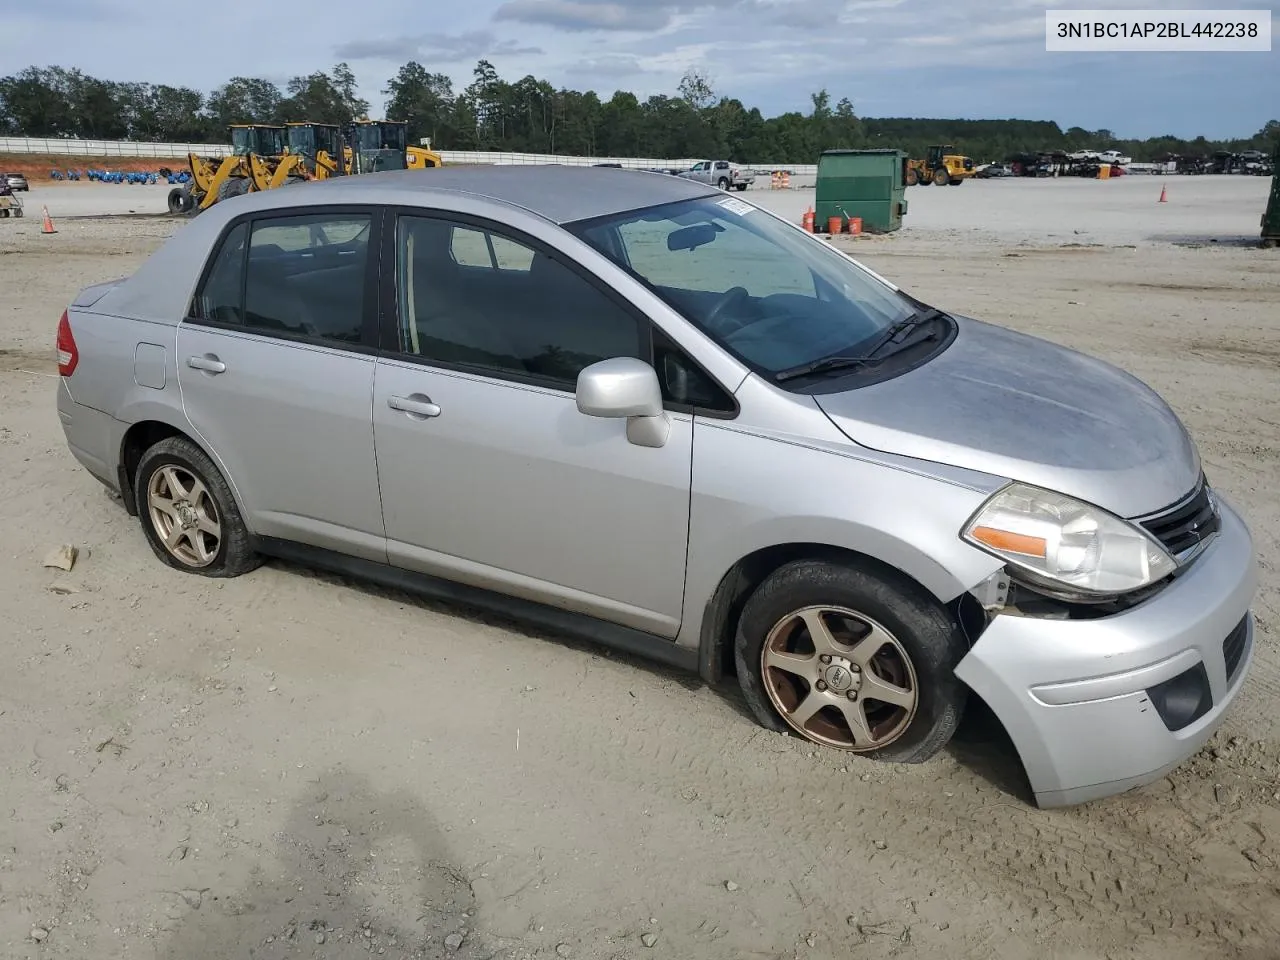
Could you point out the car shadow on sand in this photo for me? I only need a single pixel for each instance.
(981, 744)
(356, 872)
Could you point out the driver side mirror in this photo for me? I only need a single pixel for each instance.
(625, 387)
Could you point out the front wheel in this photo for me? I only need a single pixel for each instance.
(941, 177)
(723, 183)
(188, 513)
(852, 658)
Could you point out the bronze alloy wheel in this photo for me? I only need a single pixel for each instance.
(839, 678)
(184, 516)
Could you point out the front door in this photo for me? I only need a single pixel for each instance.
(489, 474)
(276, 367)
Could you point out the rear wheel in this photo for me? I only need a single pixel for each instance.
(913, 177)
(941, 177)
(957, 181)
(188, 513)
(852, 658)
(740, 187)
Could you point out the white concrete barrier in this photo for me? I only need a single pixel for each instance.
(71, 146)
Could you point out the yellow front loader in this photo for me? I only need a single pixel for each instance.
(941, 166)
(255, 162)
(264, 157)
(374, 145)
(319, 147)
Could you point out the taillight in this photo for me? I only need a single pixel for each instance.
(68, 355)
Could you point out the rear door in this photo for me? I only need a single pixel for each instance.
(276, 361)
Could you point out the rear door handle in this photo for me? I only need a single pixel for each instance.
(417, 405)
(207, 364)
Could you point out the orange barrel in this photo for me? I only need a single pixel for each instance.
(834, 224)
(855, 225)
(808, 220)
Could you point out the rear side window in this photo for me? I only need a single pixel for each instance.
(220, 297)
(306, 276)
(300, 276)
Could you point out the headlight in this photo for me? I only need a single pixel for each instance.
(1065, 546)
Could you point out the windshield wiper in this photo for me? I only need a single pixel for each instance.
(897, 333)
(820, 366)
(894, 334)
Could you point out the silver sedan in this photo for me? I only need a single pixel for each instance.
(626, 406)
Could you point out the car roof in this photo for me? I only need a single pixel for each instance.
(161, 288)
(561, 194)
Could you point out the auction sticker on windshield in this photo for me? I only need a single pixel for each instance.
(736, 206)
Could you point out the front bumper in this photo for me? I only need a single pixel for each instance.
(1076, 696)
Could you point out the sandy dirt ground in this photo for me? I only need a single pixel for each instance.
(294, 765)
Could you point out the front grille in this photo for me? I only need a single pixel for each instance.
(1188, 524)
(1233, 647)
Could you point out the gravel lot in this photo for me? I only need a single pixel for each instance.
(293, 765)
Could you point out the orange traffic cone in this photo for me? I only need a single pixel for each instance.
(808, 219)
(1162, 195)
(47, 226)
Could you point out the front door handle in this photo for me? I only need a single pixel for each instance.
(207, 364)
(416, 405)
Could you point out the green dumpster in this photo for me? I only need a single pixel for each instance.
(1271, 217)
(870, 184)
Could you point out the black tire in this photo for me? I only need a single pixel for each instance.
(740, 187)
(941, 177)
(928, 633)
(175, 200)
(912, 177)
(723, 183)
(232, 187)
(234, 555)
(958, 180)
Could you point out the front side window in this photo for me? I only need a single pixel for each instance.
(772, 296)
(301, 276)
(477, 298)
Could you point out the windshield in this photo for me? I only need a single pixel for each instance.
(771, 295)
(302, 140)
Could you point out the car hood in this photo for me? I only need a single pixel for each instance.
(1008, 404)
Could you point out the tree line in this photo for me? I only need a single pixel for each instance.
(534, 116)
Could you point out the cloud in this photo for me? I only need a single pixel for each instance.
(439, 47)
(583, 15)
(580, 16)
(611, 65)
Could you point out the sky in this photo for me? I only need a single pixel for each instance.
(972, 59)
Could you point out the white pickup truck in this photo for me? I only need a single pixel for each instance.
(721, 173)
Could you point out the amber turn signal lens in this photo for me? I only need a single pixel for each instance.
(1010, 542)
